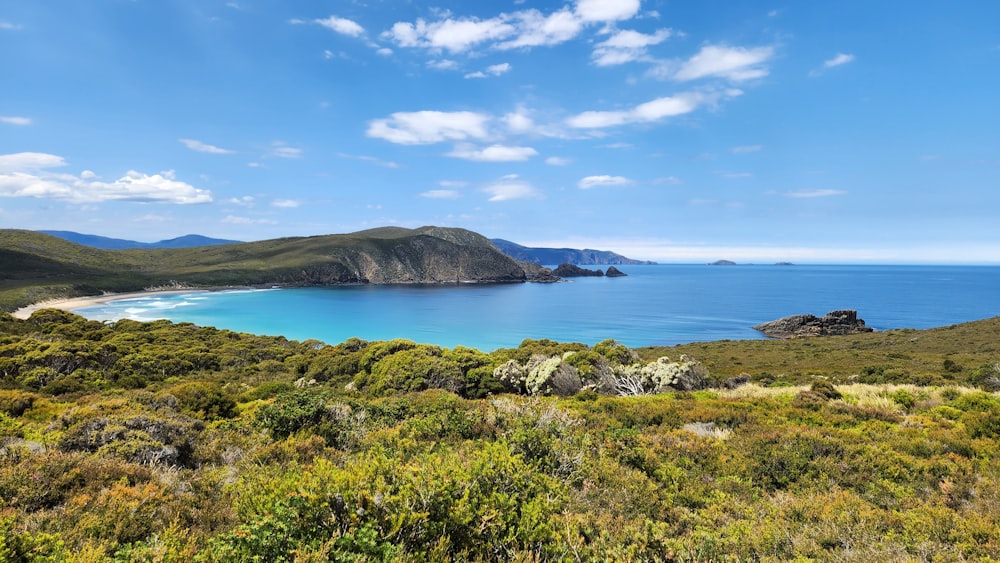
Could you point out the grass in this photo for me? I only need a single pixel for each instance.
(941, 356)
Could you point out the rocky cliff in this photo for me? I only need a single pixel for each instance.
(832, 324)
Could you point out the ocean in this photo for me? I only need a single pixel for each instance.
(653, 305)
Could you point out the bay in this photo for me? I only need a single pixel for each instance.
(653, 305)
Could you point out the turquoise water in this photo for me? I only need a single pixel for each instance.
(654, 305)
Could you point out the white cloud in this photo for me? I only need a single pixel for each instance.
(25, 175)
(840, 59)
(29, 161)
(342, 26)
(747, 149)
(427, 127)
(281, 150)
(601, 181)
(519, 121)
(492, 70)
(384, 51)
(814, 193)
(627, 46)
(651, 111)
(535, 29)
(9, 26)
(15, 120)
(199, 146)
(371, 159)
(493, 153)
(440, 194)
(511, 187)
(443, 64)
(245, 201)
(558, 161)
(454, 35)
(734, 175)
(606, 10)
(452, 183)
(285, 203)
(733, 63)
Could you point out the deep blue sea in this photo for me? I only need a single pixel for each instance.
(654, 305)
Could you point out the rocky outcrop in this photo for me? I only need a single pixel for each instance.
(722, 263)
(834, 323)
(614, 272)
(572, 271)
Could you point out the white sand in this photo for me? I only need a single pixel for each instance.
(81, 302)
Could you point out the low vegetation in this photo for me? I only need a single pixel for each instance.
(159, 441)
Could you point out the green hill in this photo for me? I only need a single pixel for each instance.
(35, 266)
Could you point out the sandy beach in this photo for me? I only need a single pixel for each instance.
(74, 303)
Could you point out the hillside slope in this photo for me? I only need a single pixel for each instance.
(35, 266)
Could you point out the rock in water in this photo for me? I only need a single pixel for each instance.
(570, 271)
(834, 323)
(614, 272)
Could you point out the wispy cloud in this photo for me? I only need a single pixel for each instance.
(29, 175)
(428, 127)
(286, 203)
(282, 150)
(651, 111)
(732, 63)
(511, 187)
(814, 193)
(15, 120)
(342, 25)
(199, 146)
(493, 153)
(440, 194)
(558, 161)
(492, 70)
(521, 29)
(747, 149)
(626, 46)
(9, 26)
(337, 24)
(374, 160)
(603, 181)
(839, 59)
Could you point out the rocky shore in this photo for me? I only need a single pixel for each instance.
(834, 323)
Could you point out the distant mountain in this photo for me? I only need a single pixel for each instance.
(105, 243)
(35, 266)
(562, 255)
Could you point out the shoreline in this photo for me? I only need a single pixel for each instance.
(73, 303)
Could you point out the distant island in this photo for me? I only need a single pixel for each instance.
(37, 267)
(585, 257)
(722, 263)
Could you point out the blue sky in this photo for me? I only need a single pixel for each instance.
(820, 131)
